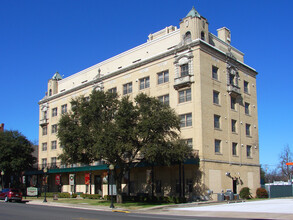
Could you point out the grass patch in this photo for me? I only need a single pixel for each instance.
(96, 202)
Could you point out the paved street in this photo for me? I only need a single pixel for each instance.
(36, 209)
(22, 211)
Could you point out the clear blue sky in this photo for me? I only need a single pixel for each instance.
(40, 37)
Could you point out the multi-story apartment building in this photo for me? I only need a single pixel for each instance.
(203, 77)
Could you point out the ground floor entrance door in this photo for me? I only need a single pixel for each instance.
(98, 184)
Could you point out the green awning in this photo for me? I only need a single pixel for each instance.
(79, 169)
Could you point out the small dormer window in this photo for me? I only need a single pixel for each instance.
(202, 36)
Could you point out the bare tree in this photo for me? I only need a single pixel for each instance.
(285, 157)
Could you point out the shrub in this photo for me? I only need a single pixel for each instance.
(91, 196)
(245, 193)
(261, 193)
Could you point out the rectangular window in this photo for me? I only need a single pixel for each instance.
(44, 146)
(247, 112)
(113, 90)
(234, 149)
(53, 162)
(164, 99)
(215, 72)
(233, 125)
(127, 88)
(44, 162)
(184, 95)
(189, 142)
(63, 108)
(233, 103)
(144, 83)
(217, 146)
(163, 77)
(44, 130)
(247, 129)
(53, 145)
(217, 121)
(248, 151)
(245, 86)
(54, 112)
(184, 70)
(54, 129)
(186, 120)
(216, 99)
(44, 114)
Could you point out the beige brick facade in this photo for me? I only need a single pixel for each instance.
(202, 77)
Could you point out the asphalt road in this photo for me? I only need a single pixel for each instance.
(22, 211)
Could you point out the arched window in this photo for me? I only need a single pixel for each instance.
(187, 37)
(202, 35)
(50, 92)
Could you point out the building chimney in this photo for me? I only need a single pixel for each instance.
(224, 34)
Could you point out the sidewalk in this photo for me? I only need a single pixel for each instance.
(264, 209)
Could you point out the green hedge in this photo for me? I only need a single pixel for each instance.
(59, 194)
(91, 196)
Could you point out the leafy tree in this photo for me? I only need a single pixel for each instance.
(16, 153)
(121, 132)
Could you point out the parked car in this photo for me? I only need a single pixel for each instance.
(11, 195)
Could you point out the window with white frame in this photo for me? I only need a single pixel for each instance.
(184, 95)
(163, 77)
(184, 71)
(63, 108)
(54, 129)
(164, 99)
(144, 83)
(185, 120)
(53, 162)
(113, 90)
(54, 112)
(44, 130)
(44, 146)
(53, 145)
(127, 88)
(44, 162)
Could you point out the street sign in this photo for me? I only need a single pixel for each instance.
(112, 190)
(290, 163)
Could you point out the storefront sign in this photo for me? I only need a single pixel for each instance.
(57, 179)
(71, 179)
(87, 179)
(32, 191)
